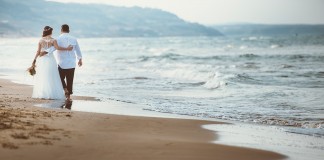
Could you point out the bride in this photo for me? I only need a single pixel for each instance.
(47, 80)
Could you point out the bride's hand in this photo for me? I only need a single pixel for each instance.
(70, 48)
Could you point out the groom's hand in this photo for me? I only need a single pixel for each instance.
(80, 63)
(42, 53)
(69, 48)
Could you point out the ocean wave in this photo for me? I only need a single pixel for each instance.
(297, 57)
(215, 81)
(316, 123)
(245, 78)
(318, 132)
(174, 57)
(300, 57)
(287, 66)
(128, 78)
(195, 75)
(254, 118)
(315, 74)
(249, 55)
(276, 46)
(249, 65)
(192, 84)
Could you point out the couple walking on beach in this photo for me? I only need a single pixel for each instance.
(53, 70)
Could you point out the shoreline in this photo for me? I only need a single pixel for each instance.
(37, 133)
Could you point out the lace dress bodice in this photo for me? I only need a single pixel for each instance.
(46, 43)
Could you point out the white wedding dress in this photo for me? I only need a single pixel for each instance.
(47, 82)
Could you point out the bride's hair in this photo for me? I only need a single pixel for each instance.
(47, 31)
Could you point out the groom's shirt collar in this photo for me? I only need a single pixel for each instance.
(64, 33)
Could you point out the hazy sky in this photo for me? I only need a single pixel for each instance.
(232, 11)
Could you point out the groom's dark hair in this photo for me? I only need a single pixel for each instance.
(65, 28)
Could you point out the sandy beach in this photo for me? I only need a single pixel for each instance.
(28, 132)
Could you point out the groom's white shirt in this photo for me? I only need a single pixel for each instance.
(67, 59)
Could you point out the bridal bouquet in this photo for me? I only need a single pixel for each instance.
(32, 70)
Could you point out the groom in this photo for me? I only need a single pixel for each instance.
(66, 60)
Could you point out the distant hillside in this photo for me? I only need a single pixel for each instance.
(268, 30)
(28, 17)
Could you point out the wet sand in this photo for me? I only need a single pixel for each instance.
(28, 132)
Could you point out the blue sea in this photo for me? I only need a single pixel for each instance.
(271, 80)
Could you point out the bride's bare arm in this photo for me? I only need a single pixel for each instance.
(37, 53)
(69, 48)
